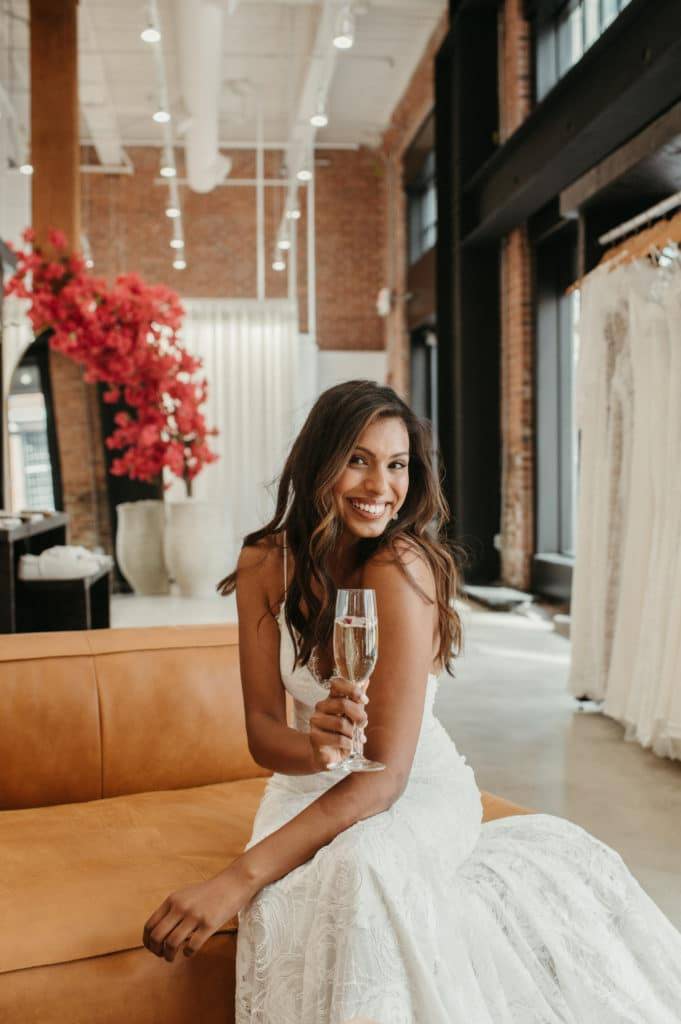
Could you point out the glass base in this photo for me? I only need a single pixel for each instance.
(359, 763)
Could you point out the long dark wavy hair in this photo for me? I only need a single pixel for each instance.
(307, 510)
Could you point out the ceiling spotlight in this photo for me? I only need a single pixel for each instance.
(161, 116)
(26, 169)
(150, 35)
(284, 244)
(344, 35)
(278, 263)
(320, 119)
(168, 171)
(293, 214)
(304, 174)
(177, 243)
(179, 264)
(172, 212)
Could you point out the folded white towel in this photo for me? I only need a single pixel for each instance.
(9, 522)
(62, 562)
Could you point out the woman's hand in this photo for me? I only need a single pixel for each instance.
(188, 917)
(332, 723)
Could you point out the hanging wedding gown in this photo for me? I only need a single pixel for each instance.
(626, 592)
(421, 915)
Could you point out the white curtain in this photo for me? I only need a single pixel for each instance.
(626, 598)
(261, 382)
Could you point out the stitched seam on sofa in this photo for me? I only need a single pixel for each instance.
(96, 956)
(99, 715)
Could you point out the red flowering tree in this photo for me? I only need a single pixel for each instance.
(125, 336)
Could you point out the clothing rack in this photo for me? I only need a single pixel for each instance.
(644, 243)
(658, 210)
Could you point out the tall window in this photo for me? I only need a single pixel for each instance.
(563, 33)
(30, 466)
(422, 210)
(557, 349)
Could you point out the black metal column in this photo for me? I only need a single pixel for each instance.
(468, 289)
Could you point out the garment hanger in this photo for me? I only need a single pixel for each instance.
(664, 233)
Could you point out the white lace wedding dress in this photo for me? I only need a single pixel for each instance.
(421, 915)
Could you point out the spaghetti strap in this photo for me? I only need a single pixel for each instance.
(285, 567)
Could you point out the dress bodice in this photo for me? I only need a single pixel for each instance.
(306, 691)
(435, 758)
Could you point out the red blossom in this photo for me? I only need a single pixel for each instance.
(126, 337)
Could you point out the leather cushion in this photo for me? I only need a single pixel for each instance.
(172, 719)
(80, 880)
(130, 987)
(103, 713)
(50, 745)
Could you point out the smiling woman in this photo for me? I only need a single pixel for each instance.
(358, 478)
(383, 894)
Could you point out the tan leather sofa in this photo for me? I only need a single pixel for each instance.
(124, 774)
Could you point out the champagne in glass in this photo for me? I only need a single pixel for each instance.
(355, 649)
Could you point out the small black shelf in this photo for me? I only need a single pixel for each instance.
(49, 605)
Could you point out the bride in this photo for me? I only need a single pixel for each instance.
(381, 894)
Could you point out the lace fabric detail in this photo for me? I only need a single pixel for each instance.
(421, 915)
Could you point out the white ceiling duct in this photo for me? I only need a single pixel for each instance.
(199, 26)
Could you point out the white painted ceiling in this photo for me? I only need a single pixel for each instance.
(266, 52)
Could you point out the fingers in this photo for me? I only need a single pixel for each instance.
(155, 937)
(173, 942)
(331, 723)
(333, 742)
(349, 709)
(353, 691)
(196, 940)
(157, 916)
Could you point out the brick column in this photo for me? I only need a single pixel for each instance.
(517, 324)
(410, 113)
(395, 257)
(55, 155)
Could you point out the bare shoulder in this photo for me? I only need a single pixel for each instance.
(407, 568)
(259, 554)
(259, 566)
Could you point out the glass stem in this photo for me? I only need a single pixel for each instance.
(357, 744)
(357, 741)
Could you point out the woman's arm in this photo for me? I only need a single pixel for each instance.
(272, 743)
(397, 695)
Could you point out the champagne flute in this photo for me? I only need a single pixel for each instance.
(355, 649)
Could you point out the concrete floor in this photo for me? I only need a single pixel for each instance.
(509, 712)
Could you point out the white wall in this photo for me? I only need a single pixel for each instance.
(336, 366)
(15, 205)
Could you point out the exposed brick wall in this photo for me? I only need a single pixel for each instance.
(123, 217)
(350, 219)
(517, 322)
(410, 113)
(515, 67)
(517, 410)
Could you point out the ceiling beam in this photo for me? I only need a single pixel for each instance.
(644, 145)
(586, 115)
(95, 99)
(321, 64)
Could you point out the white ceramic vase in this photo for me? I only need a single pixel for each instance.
(139, 546)
(194, 546)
